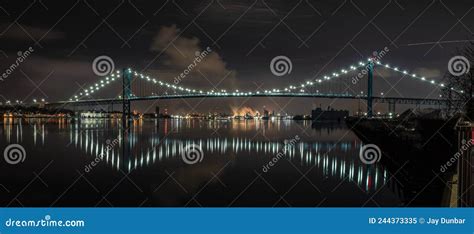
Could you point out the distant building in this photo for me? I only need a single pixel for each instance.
(93, 114)
(319, 114)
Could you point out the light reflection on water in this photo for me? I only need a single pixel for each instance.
(330, 150)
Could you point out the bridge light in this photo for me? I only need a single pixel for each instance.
(258, 92)
(361, 63)
(107, 78)
(112, 75)
(396, 69)
(423, 78)
(74, 97)
(387, 66)
(319, 81)
(442, 85)
(432, 81)
(87, 94)
(34, 100)
(404, 72)
(102, 85)
(413, 75)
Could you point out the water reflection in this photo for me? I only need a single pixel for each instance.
(161, 142)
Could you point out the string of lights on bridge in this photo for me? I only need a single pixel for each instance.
(310, 83)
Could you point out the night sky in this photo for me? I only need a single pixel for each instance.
(160, 38)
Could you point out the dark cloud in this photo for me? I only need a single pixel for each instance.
(21, 32)
(181, 52)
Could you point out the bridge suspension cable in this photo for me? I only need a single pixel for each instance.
(288, 89)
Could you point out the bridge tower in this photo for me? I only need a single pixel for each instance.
(126, 117)
(370, 77)
(126, 94)
(391, 106)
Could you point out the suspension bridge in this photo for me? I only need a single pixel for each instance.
(136, 86)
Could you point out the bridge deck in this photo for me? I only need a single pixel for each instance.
(402, 100)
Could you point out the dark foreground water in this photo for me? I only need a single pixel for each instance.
(315, 165)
